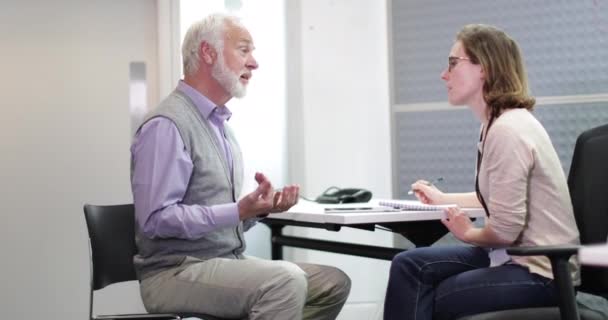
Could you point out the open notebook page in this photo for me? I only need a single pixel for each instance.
(413, 205)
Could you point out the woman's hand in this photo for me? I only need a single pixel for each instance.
(427, 193)
(458, 223)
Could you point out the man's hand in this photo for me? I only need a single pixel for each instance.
(260, 201)
(265, 200)
(285, 199)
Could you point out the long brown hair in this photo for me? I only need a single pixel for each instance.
(506, 81)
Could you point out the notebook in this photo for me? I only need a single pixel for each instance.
(413, 205)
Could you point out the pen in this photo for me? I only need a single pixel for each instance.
(348, 209)
(361, 209)
(428, 184)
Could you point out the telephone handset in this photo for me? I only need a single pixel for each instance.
(346, 195)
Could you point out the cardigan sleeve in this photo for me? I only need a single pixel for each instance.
(508, 160)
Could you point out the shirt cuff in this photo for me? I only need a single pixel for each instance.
(226, 214)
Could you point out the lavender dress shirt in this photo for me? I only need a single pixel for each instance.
(162, 172)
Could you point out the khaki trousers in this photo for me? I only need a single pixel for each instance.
(249, 288)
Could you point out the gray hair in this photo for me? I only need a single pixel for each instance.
(211, 30)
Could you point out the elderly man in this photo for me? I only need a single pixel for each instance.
(186, 176)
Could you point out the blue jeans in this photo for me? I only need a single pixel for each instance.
(448, 282)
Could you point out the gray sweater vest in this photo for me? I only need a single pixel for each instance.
(209, 185)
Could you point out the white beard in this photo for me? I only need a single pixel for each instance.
(228, 79)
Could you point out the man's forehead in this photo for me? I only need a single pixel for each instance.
(238, 34)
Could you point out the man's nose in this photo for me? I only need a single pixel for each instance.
(252, 63)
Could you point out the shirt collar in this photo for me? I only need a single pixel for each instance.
(206, 107)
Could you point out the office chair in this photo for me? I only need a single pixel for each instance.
(588, 185)
(112, 243)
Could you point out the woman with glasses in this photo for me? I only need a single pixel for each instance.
(519, 182)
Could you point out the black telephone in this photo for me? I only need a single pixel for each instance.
(347, 195)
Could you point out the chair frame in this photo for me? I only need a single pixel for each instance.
(559, 257)
(93, 210)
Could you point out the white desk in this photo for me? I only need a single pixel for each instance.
(420, 227)
(307, 211)
(595, 255)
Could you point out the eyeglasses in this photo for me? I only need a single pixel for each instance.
(453, 61)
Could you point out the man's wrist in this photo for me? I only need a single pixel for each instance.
(226, 214)
(241, 211)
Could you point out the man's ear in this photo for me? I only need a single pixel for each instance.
(207, 53)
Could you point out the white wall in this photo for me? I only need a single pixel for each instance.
(338, 133)
(259, 119)
(64, 141)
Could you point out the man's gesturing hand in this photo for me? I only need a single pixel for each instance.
(260, 201)
(285, 199)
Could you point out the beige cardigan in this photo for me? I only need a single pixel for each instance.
(525, 189)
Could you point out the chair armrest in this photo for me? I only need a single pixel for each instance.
(549, 251)
(559, 257)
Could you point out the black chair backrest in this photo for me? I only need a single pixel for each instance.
(112, 234)
(588, 184)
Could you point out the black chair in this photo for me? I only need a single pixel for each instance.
(112, 242)
(588, 184)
